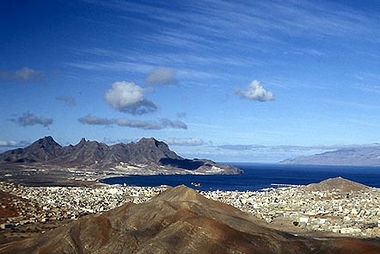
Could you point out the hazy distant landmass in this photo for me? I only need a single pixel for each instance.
(354, 156)
(146, 156)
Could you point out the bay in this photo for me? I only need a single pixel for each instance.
(257, 177)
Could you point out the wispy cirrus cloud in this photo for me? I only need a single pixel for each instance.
(115, 64)
(30, 119)
(249, 20)
(163, 123)
(185, 141)
(233, 25)
(239, 147)
(67, 99)
(281, 148)
(161, 76)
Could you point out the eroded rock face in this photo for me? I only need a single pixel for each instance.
(179, 220)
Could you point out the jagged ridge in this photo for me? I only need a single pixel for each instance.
(92, 154)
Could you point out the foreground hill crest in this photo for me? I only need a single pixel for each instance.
(147, 152)
(178, 220)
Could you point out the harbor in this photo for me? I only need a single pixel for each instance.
(348, 213)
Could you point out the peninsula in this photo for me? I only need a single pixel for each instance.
(350, 156)
(90, 161)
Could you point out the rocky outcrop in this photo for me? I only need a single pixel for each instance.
(148, 153)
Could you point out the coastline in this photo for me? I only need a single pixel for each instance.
(44, 175)
(290, 209)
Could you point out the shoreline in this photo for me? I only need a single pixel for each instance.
(290, 209)
(57, 194)
(39, 175)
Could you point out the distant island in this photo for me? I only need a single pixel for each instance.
(354, 156)
(147, 156)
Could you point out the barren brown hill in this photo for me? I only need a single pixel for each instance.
(178, 221)
(337, 183)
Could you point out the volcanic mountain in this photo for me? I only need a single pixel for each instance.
(179, 220)
(147, 152)
(336, 184)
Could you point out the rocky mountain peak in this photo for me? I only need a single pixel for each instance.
(46, 143)
(82, 141)
(43, 149)
(181, 193)
(92, 154)
(151, 142)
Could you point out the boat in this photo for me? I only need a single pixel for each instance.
(198, 185)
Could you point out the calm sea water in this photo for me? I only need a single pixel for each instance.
(258, 176)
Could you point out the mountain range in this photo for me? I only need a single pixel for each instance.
(179, 220)
(146, 153)
(354, 156)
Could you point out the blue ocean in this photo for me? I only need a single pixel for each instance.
(257, 177)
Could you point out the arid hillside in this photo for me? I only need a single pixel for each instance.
(179, 220)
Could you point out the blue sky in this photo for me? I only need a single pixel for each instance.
(256, 81)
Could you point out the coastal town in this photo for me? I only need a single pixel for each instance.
(349, 212)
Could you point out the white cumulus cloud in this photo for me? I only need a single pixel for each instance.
(256, 92)
(127, 97)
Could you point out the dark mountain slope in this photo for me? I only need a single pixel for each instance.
(148, 152)
(42, 150)
(85, 153)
